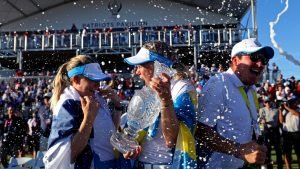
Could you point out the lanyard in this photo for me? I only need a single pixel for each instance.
(245, 97)
(254, 124)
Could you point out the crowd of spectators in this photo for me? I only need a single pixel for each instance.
(27, 99)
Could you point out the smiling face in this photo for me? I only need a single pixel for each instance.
(84, 86)
(247, 71)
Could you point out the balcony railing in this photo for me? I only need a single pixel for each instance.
(64, 41)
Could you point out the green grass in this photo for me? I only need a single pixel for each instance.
(294, 162)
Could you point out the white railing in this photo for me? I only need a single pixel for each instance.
(57, 41)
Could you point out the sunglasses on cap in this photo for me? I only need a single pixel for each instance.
(255, 57)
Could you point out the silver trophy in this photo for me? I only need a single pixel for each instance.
(143, 110)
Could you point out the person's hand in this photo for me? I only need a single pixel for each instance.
(285, 106)
(106, 91)
(162, 85)
(133, 154)
(253, 153)
(109, 93)
(90, 107)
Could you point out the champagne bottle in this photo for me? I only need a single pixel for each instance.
(261, 140)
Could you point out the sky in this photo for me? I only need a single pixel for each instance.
(287, 32)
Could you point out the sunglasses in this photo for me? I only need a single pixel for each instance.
(255, 57)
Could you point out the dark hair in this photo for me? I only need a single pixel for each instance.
(12, 105)
(291, 102)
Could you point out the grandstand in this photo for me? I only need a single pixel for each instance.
(39, 35)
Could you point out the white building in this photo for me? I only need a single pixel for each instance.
(114, 28)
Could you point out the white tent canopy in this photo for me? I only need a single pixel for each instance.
(16, 12)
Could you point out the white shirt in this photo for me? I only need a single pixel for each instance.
(31, 123)
(270, 115)
(280, 95)
(59, 155)
(291, 123)
(223, 107)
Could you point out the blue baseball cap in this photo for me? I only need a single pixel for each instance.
(91, 71)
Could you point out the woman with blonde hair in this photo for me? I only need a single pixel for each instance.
(162, 146)
(82, 123)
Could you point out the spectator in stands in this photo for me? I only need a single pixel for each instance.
(178, 104)
(266, 85)
(129, 88)
(213, 69)
(269, 118)
(297, 90)
(221, 68)
(192, 73)
(2, 115)
(27, 104)
(74, 29)
(121, 93)
(2, 86)
(203, 70)
(107, 35)
(228, 127)
(34, 134)
(266, 75)
(275, 73)
(289, 114)
(19, 73)
(272, 92)
(289, 94)
(7, 96)
(14, 133)
(280, 79)
(177, 33)
(82, 123)
(45, 115)
(280, 94)
(292, 82)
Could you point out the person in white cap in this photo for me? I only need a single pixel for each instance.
(82, 124)
(162, 146)
(228, 111)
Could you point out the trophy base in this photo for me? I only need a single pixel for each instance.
(123, 143)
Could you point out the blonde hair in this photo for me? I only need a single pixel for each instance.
(61, 80)
(181, 71)
(162, 48)
(165, 50)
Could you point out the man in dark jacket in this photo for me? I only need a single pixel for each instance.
(14, 132)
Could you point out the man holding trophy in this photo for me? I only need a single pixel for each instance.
(162, 141)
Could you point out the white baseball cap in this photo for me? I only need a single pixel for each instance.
(144, 56)
(91, 71)
(250, 46)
